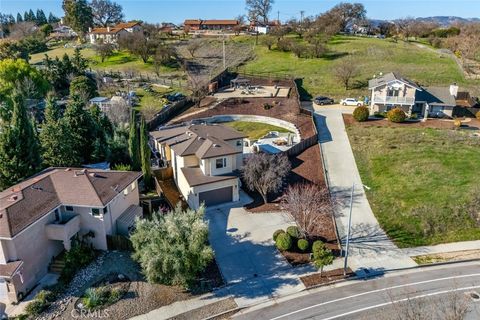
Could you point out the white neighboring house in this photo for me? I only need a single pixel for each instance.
(105, 103)
(205, 160)
(40, 216)
(112, 34)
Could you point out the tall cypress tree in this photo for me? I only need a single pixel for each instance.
(19, 148)
(134, 142)
(41, 19)
(145, 154)
(19, 18)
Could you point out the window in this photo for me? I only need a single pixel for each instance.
(239, 143)
(57, 215)
(69, 208)
(105, 210)
(95, 212)
(125, 191)
(221, 163)
(133, 186)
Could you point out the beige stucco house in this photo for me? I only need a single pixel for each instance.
(112, 34)
(393, 91)
(40, 216)
(205, 159)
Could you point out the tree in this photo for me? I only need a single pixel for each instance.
(386, 28)
(83, 87)
(172, 248)
(103, 132)
(78, 15)
(103, 50)
(163, 56)
(79, 63)
(268, 41)
(146, 153)
(317, 47)
(259, 9)
(134, 142)
(40, 18)
(345, 71)
(52, 19)
(193, 47)
(265, 173)
(13, 50)
(46, 30)
(106, 12)
(349, 13)
(19, 148)
(309, 205)
(56, 141)
(19, 18)
(139, 43)
(322, 256)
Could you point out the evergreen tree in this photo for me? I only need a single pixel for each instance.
(78, 15)
(41, 19)
(79, 63)
(19, 148)
(26, 17)
(134, 143)
(101, 149)
(57, 144)
(31, 16)
(146, 153)
(19, 18)
(52, 19)
(84, 87)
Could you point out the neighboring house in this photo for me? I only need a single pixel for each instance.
(40, 216)
(205, 161)
(112, 34)
(105, 103)
(263, 28)
(198, 25)
(391, 91)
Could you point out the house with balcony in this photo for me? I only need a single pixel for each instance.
(205, 160)
(394, 91)
(40, 216)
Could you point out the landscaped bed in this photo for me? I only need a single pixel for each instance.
(326, 277)
(422, 183)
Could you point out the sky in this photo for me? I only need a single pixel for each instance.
(177, 11)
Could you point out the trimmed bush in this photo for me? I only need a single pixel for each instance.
(302, 244)
(317, 247)
(283, 242)
(396, 115)
(276, 233)
(294, 232)
(478, 115)
(361, 114)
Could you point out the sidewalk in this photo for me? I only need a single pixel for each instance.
(443, 248)
(370, 248)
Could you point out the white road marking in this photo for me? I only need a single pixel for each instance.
(375, 291)
(401, 300)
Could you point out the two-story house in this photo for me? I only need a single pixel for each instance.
(394, 91)
(40, 216)
(205, 159)
(112, 34)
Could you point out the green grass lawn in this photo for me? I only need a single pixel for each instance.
(424, 182)
(371, 55)
(254, 130)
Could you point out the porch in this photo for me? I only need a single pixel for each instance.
(64, 228)
(393, 100)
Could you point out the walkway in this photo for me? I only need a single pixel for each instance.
(370, 247)
(443, 248)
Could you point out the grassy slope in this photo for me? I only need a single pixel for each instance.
(372, 56)
(254, 130)
(422, 182)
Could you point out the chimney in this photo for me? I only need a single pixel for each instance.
(108, 29)
(454, 90)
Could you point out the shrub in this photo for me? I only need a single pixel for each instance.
(100, 297)
(283, 242)
(277, 233)
(267, 106)
(80, 255)
(36, 307)
(457, 123)
(317, 247)
(478, 115)
(294, 232)
(302, 244)
(396, 115)
(361, 114)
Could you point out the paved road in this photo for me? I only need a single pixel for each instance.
(370, 246)
(378, 297)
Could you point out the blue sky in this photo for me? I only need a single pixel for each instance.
(178, 10)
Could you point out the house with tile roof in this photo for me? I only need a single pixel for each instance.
(112, 34)
(40, 216)
(219, 25)
(205, 158)
(394, 91)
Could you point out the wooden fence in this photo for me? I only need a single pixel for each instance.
(119, 242)
(168, 113)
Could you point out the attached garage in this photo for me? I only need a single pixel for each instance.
(215, 197)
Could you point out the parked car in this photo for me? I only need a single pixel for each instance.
(323, 100)
(351, 102)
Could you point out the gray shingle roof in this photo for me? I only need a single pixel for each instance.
(436, 96)
(389, 77)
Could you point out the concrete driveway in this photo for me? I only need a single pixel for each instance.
(250, 264)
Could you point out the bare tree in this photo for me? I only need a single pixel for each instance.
(193, 47)
(259, 9)
(309, 205)
(104, 50)
(118, 113)
(268, 41)
(163, 55)
(265, 173)
(345, 71)
(22, 30)
(106, 12)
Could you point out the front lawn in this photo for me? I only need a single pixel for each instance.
(423, 182)
(254, 130)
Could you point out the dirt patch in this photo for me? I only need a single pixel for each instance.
(296, 258)
(447, 256)
(327, 277)
(467, 123)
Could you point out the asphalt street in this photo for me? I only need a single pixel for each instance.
(360, 299)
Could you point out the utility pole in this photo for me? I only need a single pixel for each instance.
(345, 266)
(301, 16)
(224, 54)
(278, 16)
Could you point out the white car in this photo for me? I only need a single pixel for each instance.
(351, 102)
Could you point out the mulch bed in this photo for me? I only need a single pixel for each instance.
(430, 123)
(209, 279)
(313, 280)
(296, 258)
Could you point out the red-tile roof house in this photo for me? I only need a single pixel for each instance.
(197, 24)
(112, 34)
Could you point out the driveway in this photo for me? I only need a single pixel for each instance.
(370, 246)
(250, 264)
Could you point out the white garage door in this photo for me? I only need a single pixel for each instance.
(3, 291)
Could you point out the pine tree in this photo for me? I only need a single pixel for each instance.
(78, 15)
(145, 154)
(19, 148)
(26, 17)
(52, 19)
(41, 19)
(31, 16)
(57, 144)
(79, 63)
(101, 150)
(19, 18)
(134, 143)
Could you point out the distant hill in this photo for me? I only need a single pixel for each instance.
(446, 21)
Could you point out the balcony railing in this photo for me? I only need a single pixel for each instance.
(393, 100)
(64, 229)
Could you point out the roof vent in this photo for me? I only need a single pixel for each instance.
(36, 188)
(200, 138)
(13, 198)
(216, 145)
(92, 174)
(68, 169)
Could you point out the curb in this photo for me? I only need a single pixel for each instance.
(223, 313)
